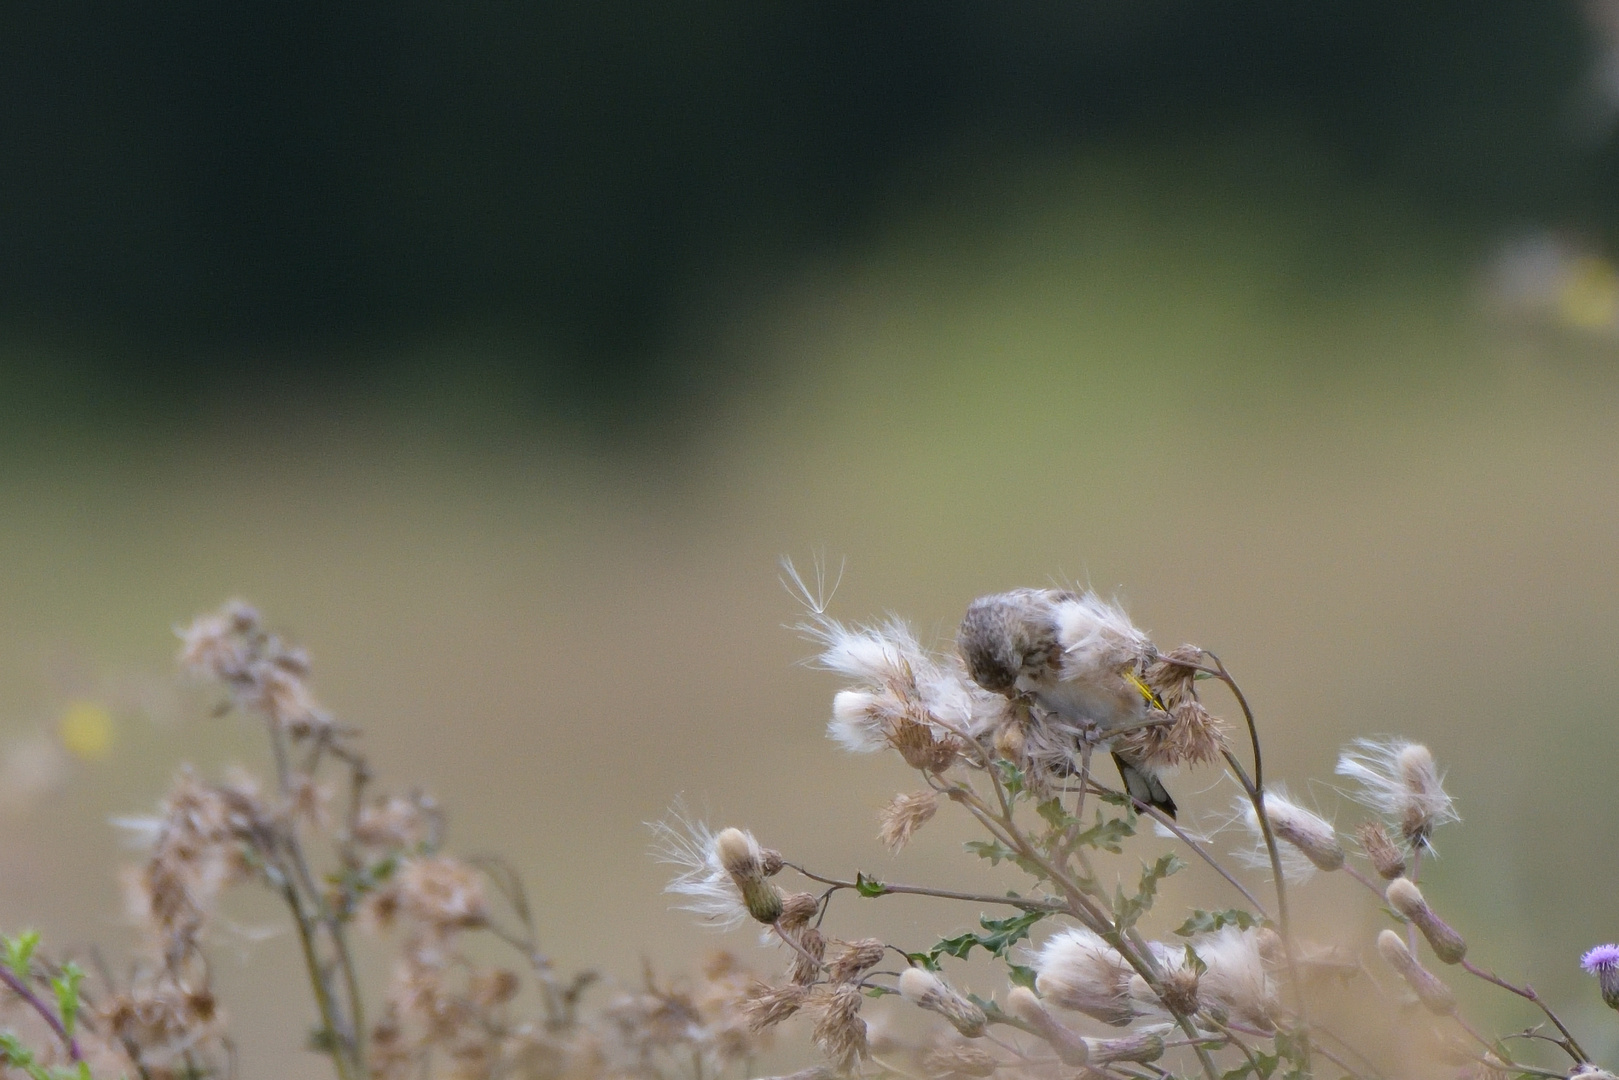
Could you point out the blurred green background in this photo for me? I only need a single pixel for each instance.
(497, 352)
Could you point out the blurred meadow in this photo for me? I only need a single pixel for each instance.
(1296, 414)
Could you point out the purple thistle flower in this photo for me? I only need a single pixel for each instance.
(1603, 962)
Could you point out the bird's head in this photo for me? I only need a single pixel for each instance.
(1008, 635)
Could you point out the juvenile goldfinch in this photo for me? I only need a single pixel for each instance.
(1072, 655)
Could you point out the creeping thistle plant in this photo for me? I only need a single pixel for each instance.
(347, 861)
(1005, 730)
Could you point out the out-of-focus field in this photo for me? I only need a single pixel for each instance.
(1285, 428)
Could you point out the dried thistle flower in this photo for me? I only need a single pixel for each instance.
(740, 855)
(903, 815)
(1172, 674)
(1386, 859)
(926, 990)
(443, 893)
(855, 958)
(797, 909)
(1193, 737)
(1404, 896)
(397, 821)
(839, 1031)
(1603, 962)
(1435, 996)
(767, 1006)
(1070, 1047)
(955, 1060)
(1077, 970)
(806, 964)
(1399, 780)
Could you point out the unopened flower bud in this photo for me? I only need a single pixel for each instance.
(1070, 1047)
(1147, 1046)
(1387, 860)
(1404, 897)
(1435, 996)
(1603, 962)
(1589, 1071)
(925, 989)
(742, 858)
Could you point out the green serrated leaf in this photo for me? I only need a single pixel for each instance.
(19, 951)
(1021, 975)
(1128, 909)
(958, 946)
(1011, 777)
(1108, 834)
(66, 986)
(14, 1053)
(1004, 933)
(866, 886)
(878, 991)
(993, 850)
(929, 960)
(1054, 814)
(1194, 962)
(1206, 922)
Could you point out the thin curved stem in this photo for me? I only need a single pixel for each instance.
(1255, 787)
(1202, 852)
(1570, 1045)
(943, 894)
(21, 989)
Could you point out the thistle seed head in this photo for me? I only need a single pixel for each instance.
(1312, 834)
(1399, 780)
(1076, 969)
(925, 989)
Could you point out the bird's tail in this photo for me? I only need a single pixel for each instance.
(1144, 786)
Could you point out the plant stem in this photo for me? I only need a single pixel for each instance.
(21, 989)
(943, 894)
(1570, 1045)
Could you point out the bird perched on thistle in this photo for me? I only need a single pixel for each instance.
(1078, 660)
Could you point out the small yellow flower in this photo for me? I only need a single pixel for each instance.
(86, 730)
